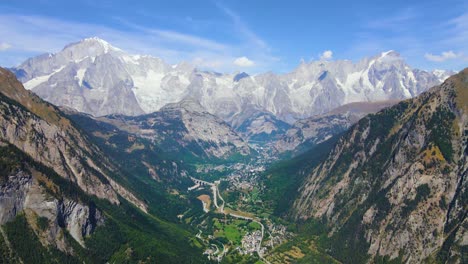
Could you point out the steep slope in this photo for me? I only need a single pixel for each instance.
(27, 187)
(63, 201)
(185, 129)
(394, 187)
(283, 178)
(29, 194)
(96, 78)
(160, 178)
(41, 131)
(311, 131)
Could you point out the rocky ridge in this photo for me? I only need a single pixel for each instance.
(317, 129)
(256, 125)
(186, 126)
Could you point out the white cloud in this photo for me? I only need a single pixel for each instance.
(326, 55)
(4, 46)
(446, 55)
(244, 62)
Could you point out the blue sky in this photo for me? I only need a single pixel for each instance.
(252, 36)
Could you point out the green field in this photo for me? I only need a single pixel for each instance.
(234, 229)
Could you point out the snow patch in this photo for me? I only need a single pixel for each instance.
(41, 79)
(80, 75)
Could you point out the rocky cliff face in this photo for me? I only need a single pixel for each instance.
(41, 131)
(185, 127)
(96, 78)
(37, 129)
(25, 189)
(317, 129)
(395, 186)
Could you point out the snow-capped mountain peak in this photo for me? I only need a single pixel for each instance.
(88, 47)
(107, 46)
(94, 77)
(443, 74)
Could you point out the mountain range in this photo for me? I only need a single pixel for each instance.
(106, 156)
(94, 77)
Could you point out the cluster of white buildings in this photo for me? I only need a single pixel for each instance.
(251, 242)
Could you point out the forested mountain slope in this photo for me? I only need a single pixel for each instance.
(62, 200)
(394, 186)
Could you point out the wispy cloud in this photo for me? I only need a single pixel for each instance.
(172, 37)
(242, 28)
(457, 31)
(424, 43)
(258, 48)
(39, 34)
(42, 34)
(451, 42)
(397, 21)
(189, 39)
(393, 31)
(4, 46)
(446, 55)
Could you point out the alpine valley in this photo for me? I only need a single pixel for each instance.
(110, 157)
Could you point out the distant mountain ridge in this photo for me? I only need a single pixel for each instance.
(185, 128)
(257, 125)
(314, 130)
(94, 77)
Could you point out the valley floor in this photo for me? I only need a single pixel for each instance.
(234, 224)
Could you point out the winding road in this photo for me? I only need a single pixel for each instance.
(216, 194)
